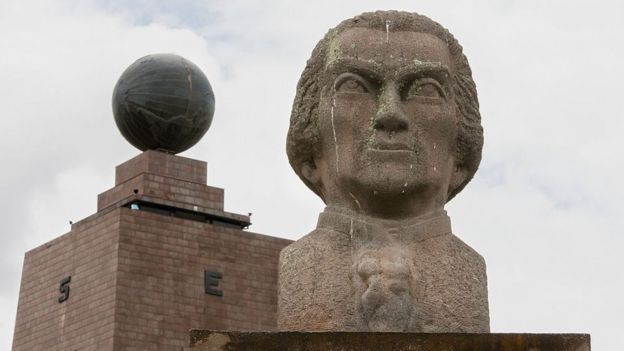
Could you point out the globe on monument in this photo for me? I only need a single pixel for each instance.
(163, 102)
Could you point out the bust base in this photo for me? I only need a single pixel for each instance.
(204, 340)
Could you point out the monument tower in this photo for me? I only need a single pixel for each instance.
(160, 256)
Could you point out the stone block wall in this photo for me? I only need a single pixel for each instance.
(85, 320)
(161, 292)
(138, 276)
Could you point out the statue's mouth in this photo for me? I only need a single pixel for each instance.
(391, 146)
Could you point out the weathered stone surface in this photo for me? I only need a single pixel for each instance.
(205, 340)
(386, 129)
(352, 275)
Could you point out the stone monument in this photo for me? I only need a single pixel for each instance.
(385, 128)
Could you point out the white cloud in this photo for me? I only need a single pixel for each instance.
(543, 210)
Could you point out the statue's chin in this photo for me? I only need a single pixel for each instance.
(391, 182)
(391, 191)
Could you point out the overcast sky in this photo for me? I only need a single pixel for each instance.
(544, 209)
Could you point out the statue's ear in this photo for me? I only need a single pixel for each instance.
(310, 172)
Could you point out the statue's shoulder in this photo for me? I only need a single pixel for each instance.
(318, 242)
(297, 250)
(455, 251)
(465, 251)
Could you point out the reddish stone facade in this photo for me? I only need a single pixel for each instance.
(138, 277)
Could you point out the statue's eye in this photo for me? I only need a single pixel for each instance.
(353, 86)
(427, 88)
(351, 83)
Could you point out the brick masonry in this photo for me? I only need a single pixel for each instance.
(137, 277)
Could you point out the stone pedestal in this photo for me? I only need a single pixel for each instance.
(206, 340)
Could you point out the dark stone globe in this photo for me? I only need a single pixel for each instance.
(163, 102)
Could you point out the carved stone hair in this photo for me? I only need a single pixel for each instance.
(303, 135)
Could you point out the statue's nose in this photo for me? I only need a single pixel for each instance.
(390, 116)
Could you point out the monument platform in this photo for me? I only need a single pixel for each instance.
(206, 340)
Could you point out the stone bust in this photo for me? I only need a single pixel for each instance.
(385, 128)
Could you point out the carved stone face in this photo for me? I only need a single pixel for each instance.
(387, 122)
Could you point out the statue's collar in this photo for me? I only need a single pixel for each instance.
(368, 228)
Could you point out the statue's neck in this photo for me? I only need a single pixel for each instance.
(391, 209)
(362, 228)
